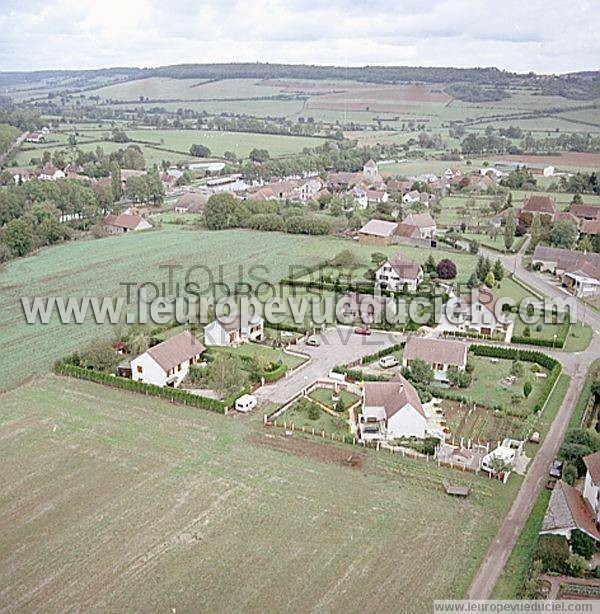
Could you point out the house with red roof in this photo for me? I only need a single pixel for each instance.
(120, 224)
(536, 204)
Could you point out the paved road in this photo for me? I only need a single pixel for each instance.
(574, 364)
(338, 346)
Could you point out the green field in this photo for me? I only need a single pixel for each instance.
(99, 267)
(115, 501)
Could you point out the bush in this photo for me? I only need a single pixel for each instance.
(576, 566)
(553, 552)
(527, 387)
(313, 411)
(582, 544)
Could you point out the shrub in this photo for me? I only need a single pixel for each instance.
(576, 566)
(553, 552)
(527, 387)
(446, 269)
(582, 544)
(569, 474)
(313, 411)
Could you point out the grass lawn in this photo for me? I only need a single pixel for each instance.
(100, 267)
(254, 350)
(324, 395)
(115, 501)
(298, 416)
(547, 331)
(487, 385)
(579, 337)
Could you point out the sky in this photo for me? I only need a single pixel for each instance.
(548, 36)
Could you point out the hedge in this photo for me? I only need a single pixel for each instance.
(275, 374)
(527, 356)
(173, 394)
(371, 357)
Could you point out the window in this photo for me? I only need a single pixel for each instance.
(140, 369)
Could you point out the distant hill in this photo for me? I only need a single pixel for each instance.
(478, 83)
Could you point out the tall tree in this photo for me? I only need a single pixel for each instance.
(115, 181)
(509, 231)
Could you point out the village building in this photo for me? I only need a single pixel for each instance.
(414, 196)
(191, 202)
(590, 227)
(377, 197)
(231, 183)
(20, 174)
(424, 222)
(440, 354)
(50, 173)
(475, 312)
(35, 137)
(558, 261)
(391, 410)
(233, 330)
(536, 204)
(120, 224)
(167, 363)
(399, 274)
(377, 232)
(585, 212)
(582, 280)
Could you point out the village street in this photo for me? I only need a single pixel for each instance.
(575, 365)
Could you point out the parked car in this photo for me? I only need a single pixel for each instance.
(362, 330)
(556, 469)
(385, 362)
(246, 403)
(313, 341)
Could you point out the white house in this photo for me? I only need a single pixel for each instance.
(119, 224)
(475, 312)
(167, 363)
(414, 196)
(308, 189)
(361, 198)
(424, 222)
(377, 196)
(591, 485)
(50, 173)
(507, 452)
(228, 330)
(391, 410)
(583, 280)
(399, 273)
(440, 354)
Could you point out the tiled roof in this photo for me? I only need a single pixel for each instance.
(176, 350)
(436, 351)
(393, 396)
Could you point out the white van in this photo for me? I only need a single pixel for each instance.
(385, 362)
(313, 341)
(246, 403)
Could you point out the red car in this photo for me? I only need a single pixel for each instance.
(362, 330)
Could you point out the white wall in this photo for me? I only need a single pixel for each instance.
(407, 422)
(215, 334)
(152, 372)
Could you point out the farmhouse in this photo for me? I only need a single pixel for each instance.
(585, 212)
(398, 274)
(440, 354)
(377, 196)
(424, 222)
(119, 224)
(537, 205)
(391, 410)
(192, 202)
(20, 175)
(167, 363)
(377, 232)
(590, 227)
(230, 331)
(35, 137)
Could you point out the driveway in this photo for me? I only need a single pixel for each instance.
(576, 365)
(338, 346)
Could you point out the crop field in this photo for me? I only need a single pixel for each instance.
(241, 143)
(99, 267)
(116, 501)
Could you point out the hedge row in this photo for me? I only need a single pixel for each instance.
(560, 341)
(173, 394)
(371, 357)
(364, 287)
(495, 351)
(453, 395)
(276, 373)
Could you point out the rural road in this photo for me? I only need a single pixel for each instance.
(575, 365)
(16, 144)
